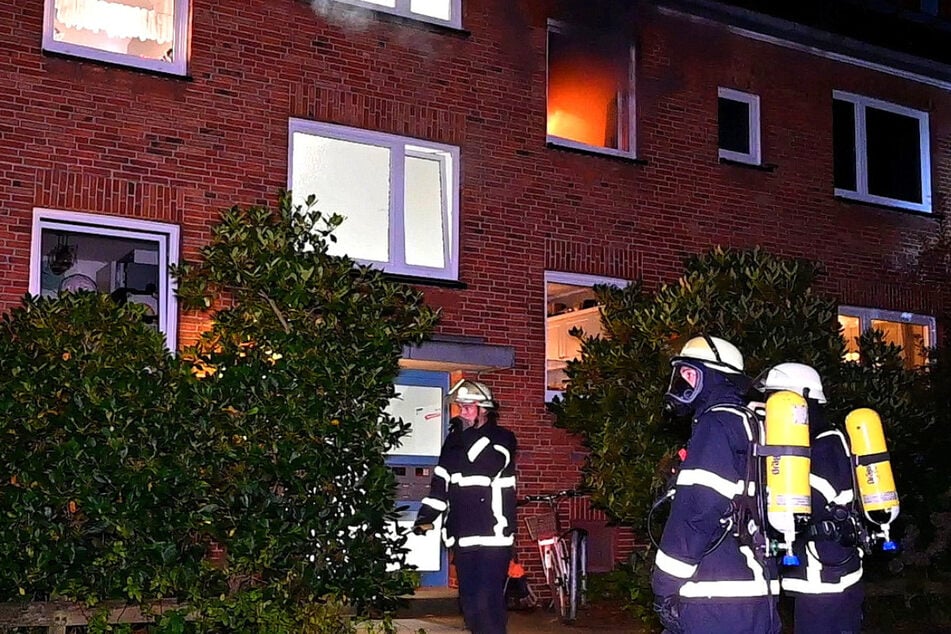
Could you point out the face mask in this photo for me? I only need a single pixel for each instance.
(686, 383)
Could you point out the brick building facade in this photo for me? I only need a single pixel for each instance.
(547, 146)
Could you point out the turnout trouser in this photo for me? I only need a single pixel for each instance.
(482, 571)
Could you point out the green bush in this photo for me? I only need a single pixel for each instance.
(121, 465)
(96, 500)
(300, 363)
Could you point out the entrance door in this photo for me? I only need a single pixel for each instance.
(420, 402)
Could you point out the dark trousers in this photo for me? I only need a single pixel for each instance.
(830, 613)
(482, 571)
(730, 616)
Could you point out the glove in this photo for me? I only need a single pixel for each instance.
(422, 529)
(668, 611)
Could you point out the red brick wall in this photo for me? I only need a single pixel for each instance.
(80, 135)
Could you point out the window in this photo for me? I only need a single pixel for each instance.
(881, 152)
(445, 12)
(912, 332)
(569, 303)
(590, 91)
(147, 34)
(739, 126)
(399, 195)
(127, 258)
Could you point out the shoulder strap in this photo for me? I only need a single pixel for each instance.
(751, 422)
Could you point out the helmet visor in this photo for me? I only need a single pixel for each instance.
(686, 382)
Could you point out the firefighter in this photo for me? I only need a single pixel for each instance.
(473, 488)
(827, 585)
(705, 580)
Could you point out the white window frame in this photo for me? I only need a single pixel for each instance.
(180, 47)
(755, 155)
(631, 102)
(866, 315)
(403, 9)
(399, 146)
(575, 279)
(166, 235)
(861, 193)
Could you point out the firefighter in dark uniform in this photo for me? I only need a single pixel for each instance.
(827, 584)
(705, 581)
(473, 488)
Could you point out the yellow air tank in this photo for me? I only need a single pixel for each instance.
(873, 469)
(787, 465)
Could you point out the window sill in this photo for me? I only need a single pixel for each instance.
(417, 280)
(760, 167)
(72, 57)
(590, 151)
(852, 200)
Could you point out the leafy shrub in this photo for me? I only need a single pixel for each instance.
(97, 502)
(122, 465)
(300, 364)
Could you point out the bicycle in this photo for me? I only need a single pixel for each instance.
(564, 554)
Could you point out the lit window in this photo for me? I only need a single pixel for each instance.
(445, 12)
(148, 34)
(739, 126)
(129, 259)
(569, 303)
(914, 333)
(590, 91)
(399, 195)
(881, 152)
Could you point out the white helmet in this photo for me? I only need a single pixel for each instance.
(715, 353)
(795, 377)
(466, 391)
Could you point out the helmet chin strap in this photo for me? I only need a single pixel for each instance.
(713, 347)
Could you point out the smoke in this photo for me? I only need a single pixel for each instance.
(345, 15)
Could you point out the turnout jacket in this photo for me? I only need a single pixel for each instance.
(689, 563)
(473, 487)
(827, 566)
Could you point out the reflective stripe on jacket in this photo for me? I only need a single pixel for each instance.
(827, 567)
(711, 477)
(474, 486)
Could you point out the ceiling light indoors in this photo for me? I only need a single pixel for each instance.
(61, 257)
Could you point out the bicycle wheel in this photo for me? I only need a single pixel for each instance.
(562, 580)
(578, 590)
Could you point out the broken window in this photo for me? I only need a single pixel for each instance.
(590, 91)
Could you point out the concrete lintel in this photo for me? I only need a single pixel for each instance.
(457, 356)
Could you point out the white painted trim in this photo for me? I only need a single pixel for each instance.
(594, 149)
(845, 59)
(404, 9)
(755, 155)
(630, 101)
(860, 105)
(576, 279)
(448, 157)
(180, 47)
(812, 50)
(167, 236)
(583, 279)
(866, 315)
